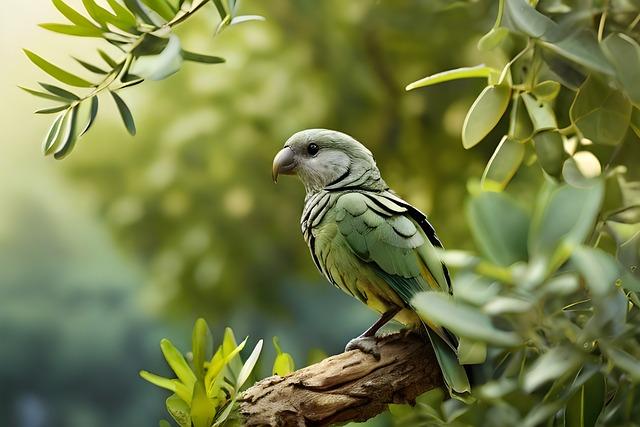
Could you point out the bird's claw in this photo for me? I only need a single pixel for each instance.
(368, 345)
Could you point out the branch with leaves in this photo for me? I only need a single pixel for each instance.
(142, 31)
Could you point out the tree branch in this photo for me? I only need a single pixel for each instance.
(352, 386)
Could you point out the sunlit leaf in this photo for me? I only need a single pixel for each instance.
(493, 38)
(245, 18)
(553, 364)
(484, 114)
(56, 72)
(461, 319)
(550, 151)
(201, 346)
(68, 136)
(179, 410)
(52, 110)
(176, 361)
(60, 91)
(162, 8)
(283, 364)
(136, 7)
(203, 410)
(503, 164)
(125, 113)
(93, 112)
(248, 366)
(600, 112)
(503, 305)
(158, 380)
(499, 227)
(229, 344)
(72, 30)
(72, 15)
(455, 74)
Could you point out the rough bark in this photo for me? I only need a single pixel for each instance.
(352, 386)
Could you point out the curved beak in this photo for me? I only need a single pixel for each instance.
(284, 163)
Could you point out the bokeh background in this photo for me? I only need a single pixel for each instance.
(131, 239)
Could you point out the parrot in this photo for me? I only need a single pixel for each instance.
(367, 241)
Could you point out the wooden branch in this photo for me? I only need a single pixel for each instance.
(352, 386)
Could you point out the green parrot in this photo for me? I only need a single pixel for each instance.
(367, 241)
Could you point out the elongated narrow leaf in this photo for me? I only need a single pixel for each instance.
(499, 226)
(44, 95)
(52, 110)
(158, 380)
(56, 90)
(459, 73)
(72, 15)
(57, 72)
(601, 113)
(599, 269)
(125, 113)
(122, 13)
(584, 407)
(93, 112)
(461, 319)
(203, 409)
(106, 58)
(551, 365)
(90, 67)
(484, 114)
(95, 11)
(176, 361)
(68, 137)
(246, 18)
(201, 346)
(200, 57)
(503, 164)
(221, 10)
(138, 10)
(72, 30)
(52, 135)
(162, 8)
(248, 366)
(130, 83)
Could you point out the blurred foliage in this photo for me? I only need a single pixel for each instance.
(143, 33)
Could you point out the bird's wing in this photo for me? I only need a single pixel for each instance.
(382, 233)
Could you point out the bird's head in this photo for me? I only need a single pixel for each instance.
(327, 159)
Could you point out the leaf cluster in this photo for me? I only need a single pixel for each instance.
(142, 33)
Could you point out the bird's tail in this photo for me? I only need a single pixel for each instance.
(454, 374)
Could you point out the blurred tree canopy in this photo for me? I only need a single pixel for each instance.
(547, 304)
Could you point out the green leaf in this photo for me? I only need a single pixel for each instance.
(506, 305)
(523, 18)
(484, 114)
(106, 58)
(624, 54)
(499, 226)
(52, 135)
(520, 126)
(176, 361)
(72, 15)
(283, 364)
(461, 319)
(72, 30)
(68, 137)
(635, 121)
(553, 364)
(547, 90)
(599, 269)
(248, 366)
(585, 405)
(220, 7)
(158, 380)
(95, 11)
(582, 48)
(90, 67)
(93, 112)
(44, 95)
(125, 113)
(56, 72)
(122, 13)
(60, 92)
(601, 113)
(456, 74)
(229, 344)
(503, 164)
(541, 113)
(565, 214)
(246, 18)
(201, 346)
(624, 361)
(471, 352)
(492, 39)
(162, 8)
(162, 65)
(202, 58)
(550, 151)
(52, 110)
(179, 410)
(203, 410)
(138, 10)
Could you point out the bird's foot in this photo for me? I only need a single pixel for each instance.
(368, 345)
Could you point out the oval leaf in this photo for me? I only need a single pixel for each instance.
(484, 114)
(503, 164)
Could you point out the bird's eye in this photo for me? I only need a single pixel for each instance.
(313, 149)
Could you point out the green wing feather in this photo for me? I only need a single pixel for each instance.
(394, 246)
